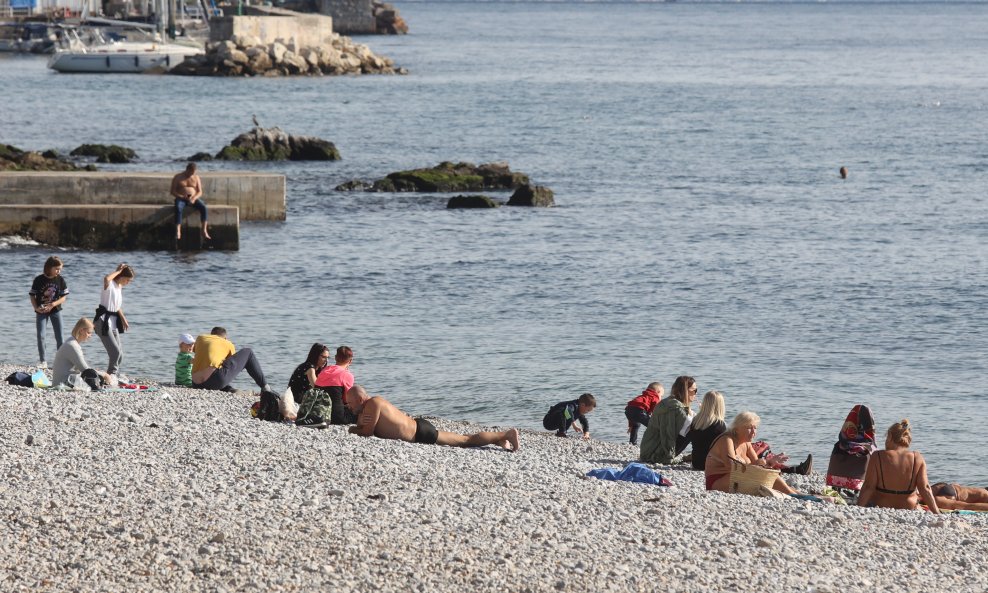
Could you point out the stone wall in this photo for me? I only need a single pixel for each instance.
(350, 17)
(305, 30)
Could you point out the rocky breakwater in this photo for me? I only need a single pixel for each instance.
(248, 56)
(459, 177)
(273, 144)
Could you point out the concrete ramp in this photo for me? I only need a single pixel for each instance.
(259, 196)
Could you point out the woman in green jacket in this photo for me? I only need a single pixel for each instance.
(663, 442)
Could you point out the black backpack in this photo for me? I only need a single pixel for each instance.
(20, 378)
(269, 408)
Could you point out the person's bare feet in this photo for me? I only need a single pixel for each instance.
(511, 442)
(205, 230)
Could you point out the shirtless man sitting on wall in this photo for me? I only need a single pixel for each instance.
(187, 191)
(378, 417)
(957, 497)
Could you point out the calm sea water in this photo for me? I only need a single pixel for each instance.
(702, 227)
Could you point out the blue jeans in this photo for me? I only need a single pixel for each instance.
(180, 207)
(41, 322)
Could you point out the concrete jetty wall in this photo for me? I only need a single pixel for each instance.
(119, 227)
(305, 29)
(350, 17)
(259, 196)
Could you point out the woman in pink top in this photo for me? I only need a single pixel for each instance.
(336, 380)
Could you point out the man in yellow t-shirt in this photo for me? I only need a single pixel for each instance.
(217, 363)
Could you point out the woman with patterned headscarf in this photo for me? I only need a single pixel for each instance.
(855, 444)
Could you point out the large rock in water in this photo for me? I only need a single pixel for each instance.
(272, 144)
(532, 195)
(472, 201)
(15, 159)
(445, 177)
(105, 153)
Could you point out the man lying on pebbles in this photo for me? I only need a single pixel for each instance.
(378, 417)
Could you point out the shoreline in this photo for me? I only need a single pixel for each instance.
(182, 490)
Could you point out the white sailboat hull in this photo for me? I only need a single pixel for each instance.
(118, 58)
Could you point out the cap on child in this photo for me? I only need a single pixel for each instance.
(187, 339)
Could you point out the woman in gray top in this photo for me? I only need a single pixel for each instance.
(70, 365)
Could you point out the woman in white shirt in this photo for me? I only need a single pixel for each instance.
(110, 321)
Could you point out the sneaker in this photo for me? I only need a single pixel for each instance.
(311, 421)
(804, 468)
(43, 366)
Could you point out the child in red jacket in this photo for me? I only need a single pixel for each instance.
(639, 410)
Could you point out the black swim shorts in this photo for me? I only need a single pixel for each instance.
(425, 432)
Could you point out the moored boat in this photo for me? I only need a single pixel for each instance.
(122, 56)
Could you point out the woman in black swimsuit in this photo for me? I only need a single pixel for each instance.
(896, 477)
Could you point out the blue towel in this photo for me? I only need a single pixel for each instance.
(633, 472)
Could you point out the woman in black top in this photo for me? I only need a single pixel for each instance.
(706, 426)
(304, 377)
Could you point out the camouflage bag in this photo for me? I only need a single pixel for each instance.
(316, 408)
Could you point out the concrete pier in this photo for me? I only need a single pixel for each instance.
(259, 196)
(119, 227)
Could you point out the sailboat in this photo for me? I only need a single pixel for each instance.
(100, 55)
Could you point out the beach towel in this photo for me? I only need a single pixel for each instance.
(128, 388)
(633, 472)
(855, 444)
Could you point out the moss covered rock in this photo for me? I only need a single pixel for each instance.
(272, 144)
(445, 177)
(15, 159)
(532, 195)
(105, 153)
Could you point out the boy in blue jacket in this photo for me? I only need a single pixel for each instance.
(565, 414)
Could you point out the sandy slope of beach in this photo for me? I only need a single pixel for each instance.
(181, 490)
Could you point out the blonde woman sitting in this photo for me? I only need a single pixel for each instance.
(896, 477)
(735, 446)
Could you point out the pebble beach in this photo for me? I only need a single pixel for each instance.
(181, 490)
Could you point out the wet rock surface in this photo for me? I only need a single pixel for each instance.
(105, 153)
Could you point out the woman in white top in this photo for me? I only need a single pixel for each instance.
(110, 321)
(70, 366)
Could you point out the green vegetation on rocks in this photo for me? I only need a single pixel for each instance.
(105, 153)
(445, 177)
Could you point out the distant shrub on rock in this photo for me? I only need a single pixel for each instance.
(445, 177)
(272, 144)
(105, 153)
